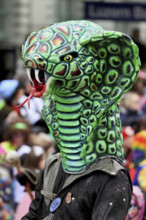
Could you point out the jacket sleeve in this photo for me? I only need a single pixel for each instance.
(35, 204)
(114, 198)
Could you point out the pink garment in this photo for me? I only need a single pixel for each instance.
(2, 151)
(142, 74)
(136, 210)
(2, 155)
(23, 207)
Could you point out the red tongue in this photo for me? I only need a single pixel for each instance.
(32, 91)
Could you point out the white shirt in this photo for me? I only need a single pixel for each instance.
(34, 113)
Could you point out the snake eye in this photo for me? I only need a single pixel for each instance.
(68, 58)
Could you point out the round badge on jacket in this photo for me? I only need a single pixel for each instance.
(55, 204)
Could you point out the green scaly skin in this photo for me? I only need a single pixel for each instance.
(86, 70)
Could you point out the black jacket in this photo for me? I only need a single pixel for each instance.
(102, 192)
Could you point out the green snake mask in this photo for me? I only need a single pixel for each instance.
(81, 71)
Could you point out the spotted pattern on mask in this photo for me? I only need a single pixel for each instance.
(88, 70)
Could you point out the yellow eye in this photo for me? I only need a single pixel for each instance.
(68, 58)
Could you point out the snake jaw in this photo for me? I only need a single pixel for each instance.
(38, 81)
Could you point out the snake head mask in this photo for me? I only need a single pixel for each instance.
(82, 71)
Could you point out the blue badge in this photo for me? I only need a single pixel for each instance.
(55, 204)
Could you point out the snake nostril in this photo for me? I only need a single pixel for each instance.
(40, 59)
(58, 83)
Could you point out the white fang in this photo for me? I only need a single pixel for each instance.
(28, 74)
(37, 76)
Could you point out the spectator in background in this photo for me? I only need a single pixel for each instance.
(128, 135)
(141, 124)
(16, 135)
(6, 202)
(11, 95)
(130, 109)
(139, 87)
(36, 159)
(142, 49)
(33, 165)
(16, 138)
(33, 115)
(139, 161)
(139, 148)
(10, 91)
(37, 137)
(134, 145)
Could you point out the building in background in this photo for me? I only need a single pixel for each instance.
(18, 18)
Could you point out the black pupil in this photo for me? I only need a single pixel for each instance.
(68, 57)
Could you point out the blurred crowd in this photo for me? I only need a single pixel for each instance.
(25, 143)
(133, 119)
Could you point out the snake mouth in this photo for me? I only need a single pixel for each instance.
(37, 80)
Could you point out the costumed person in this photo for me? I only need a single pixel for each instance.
(82, 71)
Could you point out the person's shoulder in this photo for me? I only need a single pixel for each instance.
(107, 165)
(53, 158)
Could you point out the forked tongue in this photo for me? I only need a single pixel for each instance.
(32, 91)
